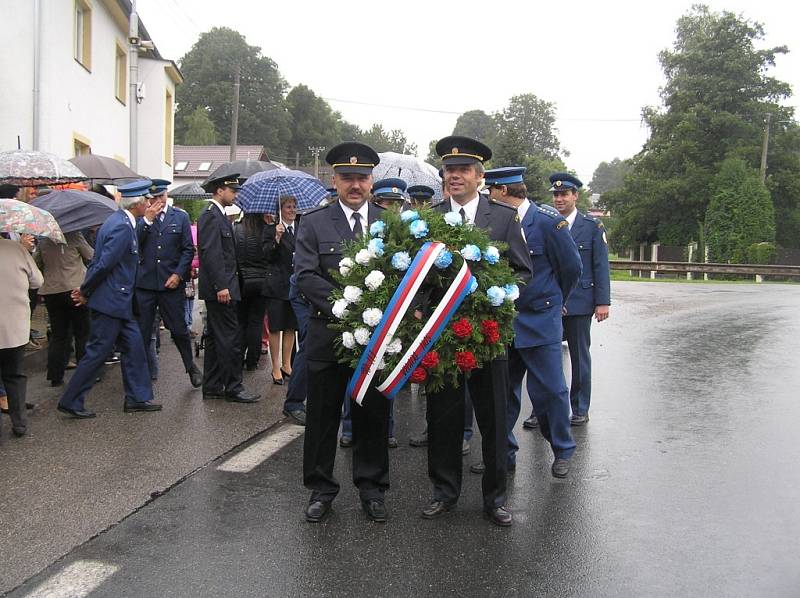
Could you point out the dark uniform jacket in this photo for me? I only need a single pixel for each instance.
(165, 248)
(281, 263)
(595, 284)
(111, 275)
(217, 254)
(251, 258)
(556, 271)
(318, 250)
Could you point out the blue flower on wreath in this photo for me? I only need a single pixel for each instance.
(473, 286)
(471, 252)
(453, 219)
(409, 216)
(376, 247)
(496, 296)
(377, 229)
(512, 292)
(444, 260)
(401, 261)
(491, 254)
(418, 228)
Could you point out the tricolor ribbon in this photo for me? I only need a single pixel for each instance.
(401, 300)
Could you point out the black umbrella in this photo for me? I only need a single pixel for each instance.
(189, 191)
(102, 169)
(242, 168)
(76, 210)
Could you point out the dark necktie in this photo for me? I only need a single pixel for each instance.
(463, 215)
(357, 230)
(290, 228)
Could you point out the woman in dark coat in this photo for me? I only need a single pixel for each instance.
(251, 240)
(280, 315)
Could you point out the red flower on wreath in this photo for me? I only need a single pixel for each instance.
(465, 360)
(431, 360)
(419, 375)
(462, 328)
(491, 331)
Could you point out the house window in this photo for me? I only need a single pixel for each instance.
(80, 145)
(204, 166)
(168, 127)
(120, 72)
(83, 33)
(180, 166)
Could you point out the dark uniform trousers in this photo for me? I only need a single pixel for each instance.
(222, 365)
(15, 383)
(578, 334)
(170, 305)
(488, 387)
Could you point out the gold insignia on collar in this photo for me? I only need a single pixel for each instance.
(561, 224)
(454, 150)
(353, 160)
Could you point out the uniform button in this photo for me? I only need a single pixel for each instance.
(122, 288)
(159, 246)
(158, 261)
(531, 252)
(547, 303)
(331, 249)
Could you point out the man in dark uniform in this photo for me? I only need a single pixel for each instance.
(591, 297)
(420, 195)
(536, 348)
(390, 193)
(165, 258)
(318, 250)
(219, 288)
(108, 290)
(462, 160)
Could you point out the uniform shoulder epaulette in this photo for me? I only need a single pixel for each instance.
(316, 209)
(494, 202)
(438, 203)
(548, 213)
(179, 209)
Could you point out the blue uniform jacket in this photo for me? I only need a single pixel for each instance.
(165, 248)
(111, 275)
(595, 285)
(556, 271)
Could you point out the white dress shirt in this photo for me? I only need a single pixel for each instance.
(470, 208)
(522, 208)
(363, 211)
(571, 218)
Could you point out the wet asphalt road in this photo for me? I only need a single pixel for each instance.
(686, 482)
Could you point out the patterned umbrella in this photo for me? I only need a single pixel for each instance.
(261, 192)
(76, 210)
(31, 169)
(409, 168)
(188, 191)
(19, 217)
(102, 169)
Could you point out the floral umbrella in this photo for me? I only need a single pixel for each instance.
(32, 169)
(19, 217)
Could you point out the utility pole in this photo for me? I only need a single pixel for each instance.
(133, 83)
(235, 117)
(764, 149)
(316, 150)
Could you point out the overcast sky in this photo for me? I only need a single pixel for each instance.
(416, 65)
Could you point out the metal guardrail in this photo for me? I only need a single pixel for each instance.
(698, 268)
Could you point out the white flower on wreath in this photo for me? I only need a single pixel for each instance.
(381, 365)
(361, 335)
(363, 256)
(345, 266)
(394, 347)
(453, 219)
(348, 340)
(340, 308)
(352, 294)
(372, 316)
(374, 279)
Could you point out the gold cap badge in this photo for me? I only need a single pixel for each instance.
(454, 150)
(394, 190)
(353, 160)
(558, 183)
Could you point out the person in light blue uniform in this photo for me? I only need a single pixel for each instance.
(108, 289)
(536, 348)
(592, 297)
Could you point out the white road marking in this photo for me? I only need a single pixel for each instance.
(257, 453)
(77, 580)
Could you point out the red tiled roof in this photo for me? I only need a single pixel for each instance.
(195, 155)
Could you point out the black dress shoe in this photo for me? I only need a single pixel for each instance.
(242, 397)
(375, 510)
(478, 467)
(560, 468)
(285, 374)
(392, 442)
(136, 407)
(213, 394)
(79, 413)
(56, 383)
(531, 422)
(195, 376)
(579, 420)
(499, 516)
(278, 381)
(251, 367)
(436, 509)
(19, 432)
(346, 441)
(420, 439)
(317, 511)
(298, 415)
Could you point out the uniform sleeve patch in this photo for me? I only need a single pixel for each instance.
(561, 224)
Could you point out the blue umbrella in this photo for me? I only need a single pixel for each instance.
(76, 210)
(261, 192)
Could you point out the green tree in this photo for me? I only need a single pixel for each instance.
(609, 176)
(387, 141)
(526, 127)
(740, 213)
(208, 70)
(199, 128)
(313, 122)
(715, 101)
(477, 125)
